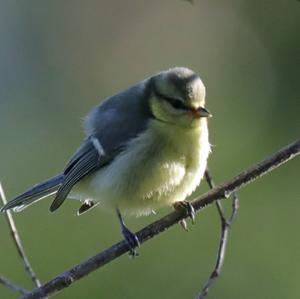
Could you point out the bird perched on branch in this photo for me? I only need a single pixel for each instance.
(146, 147)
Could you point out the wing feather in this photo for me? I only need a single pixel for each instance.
(109, 126)
(81, 165)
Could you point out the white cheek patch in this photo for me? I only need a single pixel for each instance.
(98, 146)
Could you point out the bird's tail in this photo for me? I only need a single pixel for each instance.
(34, 194)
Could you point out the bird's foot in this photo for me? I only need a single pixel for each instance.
(131, 240)
(189, 210)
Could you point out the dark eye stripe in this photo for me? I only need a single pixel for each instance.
(177, 104)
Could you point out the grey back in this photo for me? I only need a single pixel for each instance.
(120, 117)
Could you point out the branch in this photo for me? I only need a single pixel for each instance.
(225, 225)
(17, 240)
(12, 286)
(68, 277)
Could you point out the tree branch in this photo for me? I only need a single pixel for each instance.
(225, 225)
(17, 240)
(68, 277)
(12, 286)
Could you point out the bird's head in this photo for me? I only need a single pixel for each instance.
(178, 97)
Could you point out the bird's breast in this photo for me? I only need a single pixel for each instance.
(157, 168)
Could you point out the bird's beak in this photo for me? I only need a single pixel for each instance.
(200, 112)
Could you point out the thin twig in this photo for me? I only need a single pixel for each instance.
(225, 225)
(17, 240)
(68, 277)
(234, 197)
(12, 286)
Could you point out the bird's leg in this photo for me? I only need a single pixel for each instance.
(130, 238)
(189, 210)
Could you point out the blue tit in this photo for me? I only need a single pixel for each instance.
(145, 148)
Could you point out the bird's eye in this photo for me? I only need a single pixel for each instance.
(177, 104)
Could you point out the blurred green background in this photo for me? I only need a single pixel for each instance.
(58, 59)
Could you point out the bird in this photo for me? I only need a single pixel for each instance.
(145, 148)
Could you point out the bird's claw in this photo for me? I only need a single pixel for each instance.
(189, 210)
(183, 224)
(132, 241)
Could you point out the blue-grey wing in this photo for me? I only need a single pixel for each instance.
(109, 127)
(121, 117)
(85, 160)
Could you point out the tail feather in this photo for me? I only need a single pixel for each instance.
(34, 194)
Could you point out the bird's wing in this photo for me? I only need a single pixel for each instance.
(121, 117)
(85, 160)
(110, 126)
